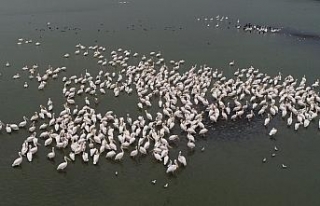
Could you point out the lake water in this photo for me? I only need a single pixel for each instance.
(230, 170)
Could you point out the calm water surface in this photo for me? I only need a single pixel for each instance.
(230, 171)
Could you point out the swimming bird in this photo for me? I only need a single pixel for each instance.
(17, 161)
(289, 121)
(85, 156)
(182, 159)
(110, 154)
(29, 154)
(8, 129)
(189, 98)
(119, 156)
(63, 165)
(52, 154)
(273, 131)
(267, 120)
(173, 167)
(96, 157)
(134, 152)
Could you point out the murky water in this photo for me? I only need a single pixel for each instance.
(230, 170)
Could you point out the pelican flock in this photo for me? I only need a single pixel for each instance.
(172, 107)
(221, 20)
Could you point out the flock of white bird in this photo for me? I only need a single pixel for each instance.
(175, 98)
(224, 21)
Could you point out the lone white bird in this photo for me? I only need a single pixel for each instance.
(17, 161)
(63, 165)
(273, 131)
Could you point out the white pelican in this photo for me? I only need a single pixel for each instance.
(191, 145)
(173, 167)
(14, 127)
(273, 131)
(64, 164)
(143, 150)
(267, 120)
(306, 123)
(23, 123)
(17, 161)
(173, 137)
(8, 129)
(72, 156)
(203, 131)
(297, 125)
(289, 120)
(157, 156)
(92, 151)
(24, 148)
(110, 154)
(16, 76)
(96, 157)
(52, 154)
(182, 159)
(119, 156)
(148, 115)
(29, 154)
(85, 156)
(134, 152)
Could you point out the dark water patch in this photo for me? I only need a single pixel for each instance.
(240, 129)
(300, 34)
